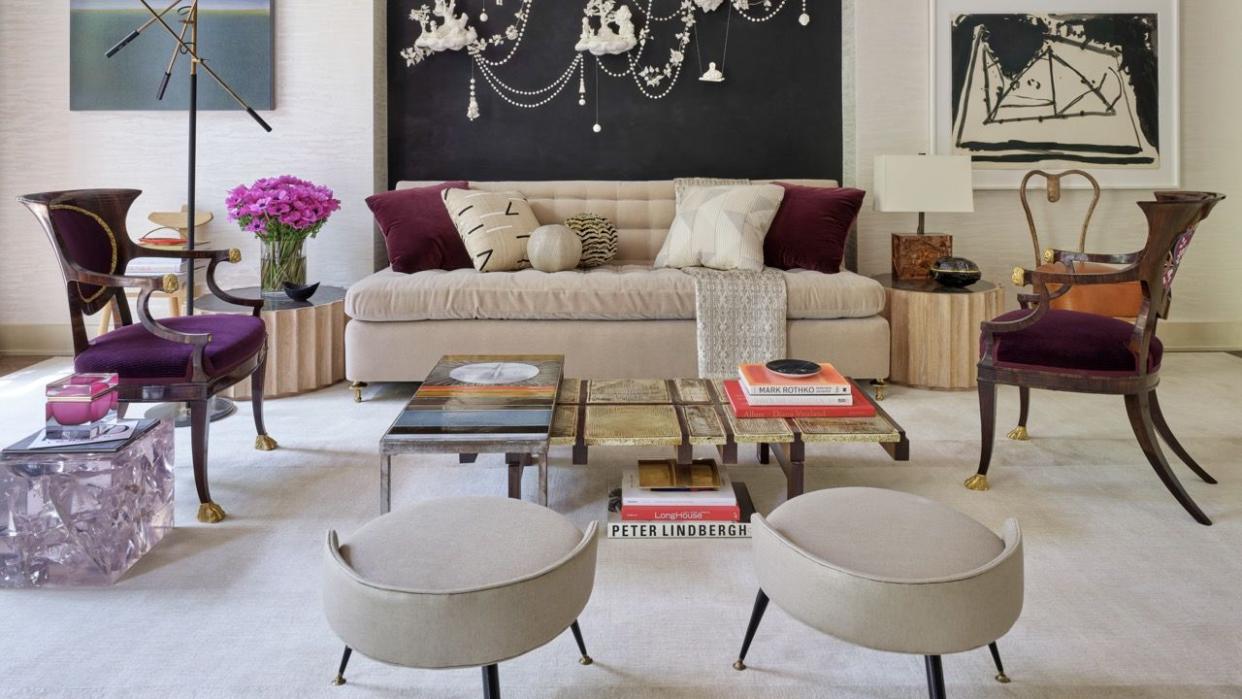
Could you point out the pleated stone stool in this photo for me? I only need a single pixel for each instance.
(458, 582)
(889, 571)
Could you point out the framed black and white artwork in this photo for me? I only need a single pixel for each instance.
(1049, 84)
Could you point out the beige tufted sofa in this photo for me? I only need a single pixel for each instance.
(623, 320)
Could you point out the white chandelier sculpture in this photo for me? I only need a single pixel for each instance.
(608, 28)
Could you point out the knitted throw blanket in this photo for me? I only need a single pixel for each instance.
(740, 318)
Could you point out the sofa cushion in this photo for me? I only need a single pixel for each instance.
(721, 227)
(811, 227)
(418, 232)
(610, 292)
(494, 225)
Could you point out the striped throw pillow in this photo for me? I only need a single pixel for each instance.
(599, 238)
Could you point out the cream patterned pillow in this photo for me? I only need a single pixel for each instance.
(495, 227)
(721, 227)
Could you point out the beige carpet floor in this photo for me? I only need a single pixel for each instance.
(1125, 595)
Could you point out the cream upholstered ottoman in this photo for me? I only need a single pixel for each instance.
(458, 582)
(890, 571)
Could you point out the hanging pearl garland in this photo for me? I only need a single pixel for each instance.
(648, 78)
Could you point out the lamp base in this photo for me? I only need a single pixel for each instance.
(913, 255)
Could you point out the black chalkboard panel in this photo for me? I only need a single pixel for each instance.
(778, 113)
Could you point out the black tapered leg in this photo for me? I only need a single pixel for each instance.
(1000, 667)
(585, 659)
(1162, 427)
(262, 441)
(1024, 408)
(935, 676)
(340, 672)
(200, 424)
(491, 682)
(756, 615)
(987, 428)
(762, 453)
(1138, 406)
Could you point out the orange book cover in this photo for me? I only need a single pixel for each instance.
(756, 379)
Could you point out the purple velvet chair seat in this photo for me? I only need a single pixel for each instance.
(137, 355)
(1072, 341)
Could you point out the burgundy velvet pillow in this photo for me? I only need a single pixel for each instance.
(417, 229)
(811, 227)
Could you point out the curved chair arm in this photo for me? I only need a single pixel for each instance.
(168, 284)
(1070, 256)
(215, 257)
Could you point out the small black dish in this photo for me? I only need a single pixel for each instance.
(955, 272)
(300, 293)
(793, 368)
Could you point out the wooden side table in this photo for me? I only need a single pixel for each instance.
(305, 340)
(935, 331)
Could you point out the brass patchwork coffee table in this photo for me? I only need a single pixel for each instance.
(684, 413)
(523, 418)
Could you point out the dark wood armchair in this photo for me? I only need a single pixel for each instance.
(187, 359)
(1063, 350)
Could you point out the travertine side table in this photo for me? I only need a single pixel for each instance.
(305, 340)
(935, 330)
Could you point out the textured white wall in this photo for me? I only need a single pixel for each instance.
(323, 130)
(892, 95)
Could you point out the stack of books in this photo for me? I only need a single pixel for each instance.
(760, 393)
(661, 499)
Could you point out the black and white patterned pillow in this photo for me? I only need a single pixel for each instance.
(599, 238)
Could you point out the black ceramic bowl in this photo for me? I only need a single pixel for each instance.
(300, 293)
(955, 272)
(793, 368)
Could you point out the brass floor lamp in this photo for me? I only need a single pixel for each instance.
(187, 40)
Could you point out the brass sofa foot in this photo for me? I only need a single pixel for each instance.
(358, 386)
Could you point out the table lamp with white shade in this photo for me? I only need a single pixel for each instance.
(922, 184)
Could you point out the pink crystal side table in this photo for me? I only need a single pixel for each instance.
(84, 518)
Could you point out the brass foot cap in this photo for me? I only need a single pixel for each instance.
(739, 665)
(585, 660)
(265, 443)
(210, 513)
(1019, 434)
(1002, 678)
(338, 681)
(977, 482)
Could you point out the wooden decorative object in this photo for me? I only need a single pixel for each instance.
(913, 255)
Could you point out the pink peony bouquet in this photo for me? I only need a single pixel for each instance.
(281, 207)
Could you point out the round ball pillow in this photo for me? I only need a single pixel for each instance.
(553, 248)
(599, 238)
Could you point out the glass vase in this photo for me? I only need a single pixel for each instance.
(282, 261)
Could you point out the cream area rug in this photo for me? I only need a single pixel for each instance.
(1125, 595)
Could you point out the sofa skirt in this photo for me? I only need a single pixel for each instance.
(659, 349)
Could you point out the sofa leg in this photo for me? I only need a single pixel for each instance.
(358, 386)
(880, 388)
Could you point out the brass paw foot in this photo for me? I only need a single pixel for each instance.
(1002, 678)
(585, 660)
(210, 513)
(880, 388)
(977, 482)
(265, 443)
(358, 386)
(739, 665)
(1019, 433)
(338, 680)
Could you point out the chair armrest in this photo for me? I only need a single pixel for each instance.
(168, 283)
(1039, 278)
(232, 254)
(1070, 256)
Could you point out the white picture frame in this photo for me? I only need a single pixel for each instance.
(1166, 173)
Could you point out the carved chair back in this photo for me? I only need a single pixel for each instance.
(1172, 220)
(1053, 187)
(88, 233)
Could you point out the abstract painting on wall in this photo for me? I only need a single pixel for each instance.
(235, 37)
(1059, 89)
